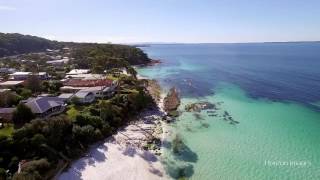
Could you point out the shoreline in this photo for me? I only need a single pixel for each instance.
(123, 155)
(134, 152)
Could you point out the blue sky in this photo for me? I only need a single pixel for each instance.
(193, 21)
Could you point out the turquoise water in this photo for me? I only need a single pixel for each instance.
(277, 110)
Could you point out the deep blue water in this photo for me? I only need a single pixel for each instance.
(276, 71)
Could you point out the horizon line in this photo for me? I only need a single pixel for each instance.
(160, 42)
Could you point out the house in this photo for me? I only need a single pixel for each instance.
(78, 71)
(65, 49)
(86, 76)
(4, 90)
(66, 96)
(59, 62)
(7, 70)
(46, 106)
(25, 75)
(71, 89)
(101, 91)
(84, 97)
(100, 88)
(20, 75)
(6, 115)
(88, 83)
(11, 84)
(42, 75)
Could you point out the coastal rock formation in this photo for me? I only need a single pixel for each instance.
(171, 102)
(154, 89)
(227, 117)
(199, 106)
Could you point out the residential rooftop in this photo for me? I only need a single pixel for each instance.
(40, 105)
(86, 76)
(88, 83)
(78, 71)
(11, 83)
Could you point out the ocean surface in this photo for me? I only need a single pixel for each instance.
(271, 89)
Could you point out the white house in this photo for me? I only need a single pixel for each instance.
(78, 71)
(59, 62)
(25, 75)
(9, 84)
(86, 76)
(20, 75)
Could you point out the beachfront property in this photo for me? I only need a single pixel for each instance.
(26, 75)
(100, 91)
(100, 87)
(45, 106)
(84, 97)
(89, 83)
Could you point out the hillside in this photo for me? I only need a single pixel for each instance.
(86, 54)
(13, 44)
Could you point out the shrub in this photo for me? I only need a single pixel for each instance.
(22, 114)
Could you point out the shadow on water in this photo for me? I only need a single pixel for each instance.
(182, 152)
(166, 144)
(176, 171)
(187, 155)
(181, 166)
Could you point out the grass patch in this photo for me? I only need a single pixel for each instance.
(7, 130)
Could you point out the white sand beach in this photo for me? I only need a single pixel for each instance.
(122, 156)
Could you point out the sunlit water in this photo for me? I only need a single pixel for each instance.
(271, 89)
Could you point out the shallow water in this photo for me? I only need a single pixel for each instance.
(272, 90)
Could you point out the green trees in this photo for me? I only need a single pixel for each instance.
(22, 114)
(8, 99)
(99, 57)
(51, 86)
(25, 93)
(105, 110)
(132, 72)
(33, 83)
(35, 170)
(3, 174)
(86, 134)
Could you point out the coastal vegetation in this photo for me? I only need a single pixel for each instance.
(37, 146)
(99, 56)
(46, 142)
